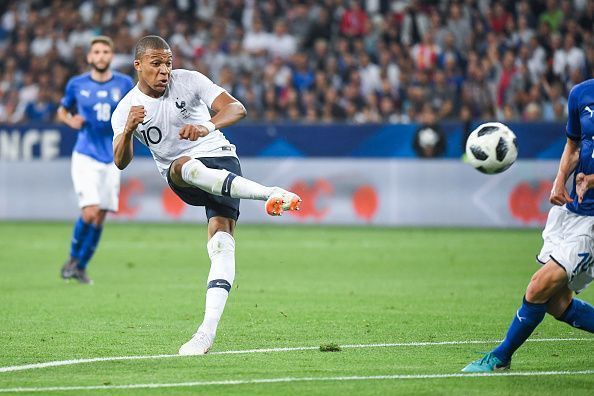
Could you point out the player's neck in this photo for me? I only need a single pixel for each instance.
(101, 76)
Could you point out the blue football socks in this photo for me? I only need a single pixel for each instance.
(580, 315)
(527, 318)
(89, 245)
(79, 235)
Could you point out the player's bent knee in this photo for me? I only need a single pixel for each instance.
(90, 214)
(176, 169)
(177, 165)
(545, 283)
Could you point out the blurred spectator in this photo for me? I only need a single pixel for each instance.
(429, 140)
(41, 109)
(352, 23)
(553, 16)
(282, 43)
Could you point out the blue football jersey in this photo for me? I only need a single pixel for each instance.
(580, 127)
(95, 101)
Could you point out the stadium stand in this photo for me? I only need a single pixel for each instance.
(310, 61)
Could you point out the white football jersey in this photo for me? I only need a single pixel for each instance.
(186, 100)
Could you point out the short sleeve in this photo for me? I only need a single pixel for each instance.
(573, 129)
(119, 118)
(204, 88)
(69, 99)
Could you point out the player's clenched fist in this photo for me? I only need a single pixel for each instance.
(192, 132)
(135, 117)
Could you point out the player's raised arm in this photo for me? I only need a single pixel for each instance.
(122, 143)
(228, 111)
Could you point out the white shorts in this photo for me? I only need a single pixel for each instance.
(568, 240)
(95, 182)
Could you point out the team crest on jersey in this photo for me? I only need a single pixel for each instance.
(181, 105)
(102, 94)
(116, 94)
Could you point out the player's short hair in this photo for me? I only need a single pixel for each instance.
(149, 42)
(103, 40)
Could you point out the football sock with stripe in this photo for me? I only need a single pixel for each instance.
(527, 318)
(79, 234)
(580, 315)
(221, 250)
(89, 245)
(222, 182)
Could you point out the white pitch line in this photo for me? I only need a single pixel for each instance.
(59, 363)
(298, 379)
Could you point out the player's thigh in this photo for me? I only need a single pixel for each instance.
(546, 282)
(86, 178)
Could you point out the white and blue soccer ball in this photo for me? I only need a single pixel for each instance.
(492, 148)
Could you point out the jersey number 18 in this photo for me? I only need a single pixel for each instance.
(103, 111)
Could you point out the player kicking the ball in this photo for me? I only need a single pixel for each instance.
(567, 255)
(168, 112)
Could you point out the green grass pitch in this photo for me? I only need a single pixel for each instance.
(295, 287)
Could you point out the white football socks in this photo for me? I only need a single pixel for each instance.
(222, 182)
(221, 250)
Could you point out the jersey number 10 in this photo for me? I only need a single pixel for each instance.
(152, 135)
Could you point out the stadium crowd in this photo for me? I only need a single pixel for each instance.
(318, 61)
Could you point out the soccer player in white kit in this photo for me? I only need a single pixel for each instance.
(168, 111)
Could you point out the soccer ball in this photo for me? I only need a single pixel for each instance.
(492, 148)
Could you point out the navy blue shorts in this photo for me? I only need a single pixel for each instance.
(214, 205)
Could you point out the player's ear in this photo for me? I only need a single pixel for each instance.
(89, 58)
(137, 64)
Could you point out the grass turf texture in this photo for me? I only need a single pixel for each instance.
(295, 286)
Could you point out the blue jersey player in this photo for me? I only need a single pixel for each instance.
(567, 255)
(87, 105)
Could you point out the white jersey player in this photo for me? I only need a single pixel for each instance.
(168, 111)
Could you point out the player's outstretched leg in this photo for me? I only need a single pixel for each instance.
(222, 182)
(545, 283)
(221, 250)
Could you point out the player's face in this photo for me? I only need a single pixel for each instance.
(154, 68)
(100, 56)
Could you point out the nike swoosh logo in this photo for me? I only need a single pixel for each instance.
(520, 318)
(144, 123)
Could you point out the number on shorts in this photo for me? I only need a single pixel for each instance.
(584, 265)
